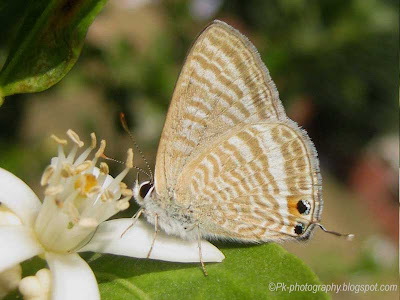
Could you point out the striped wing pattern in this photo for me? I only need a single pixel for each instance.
(247, 185)
(221, 85)
(222, 149)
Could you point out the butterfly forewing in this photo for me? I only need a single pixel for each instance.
(229, 153)
(222, 83)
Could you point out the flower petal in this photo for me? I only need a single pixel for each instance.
(18, 197)
(72, 278)
(136, 242)
(18, 243)
(7, 217)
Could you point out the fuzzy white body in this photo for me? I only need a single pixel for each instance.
(172, 219)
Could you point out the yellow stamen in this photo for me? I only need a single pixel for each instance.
(94, 140)
(83, 166)
(67, 170)
(101, 149)
(122, 205)
(94, 190)
(129, 159)
(104, 168)
(75, 137)
(48, 172)
(54, 190)
(58, 140)
(85, 183)
(107, 196)
(127, 192)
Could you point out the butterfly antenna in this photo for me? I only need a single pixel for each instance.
(349, 236)
(122, 163)
(125, 126)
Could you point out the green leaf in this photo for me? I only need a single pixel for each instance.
(47, 45)
(246, 273)
(11, 14)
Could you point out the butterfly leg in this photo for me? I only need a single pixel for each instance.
(135, 218)
(200, 253)
(155, 234)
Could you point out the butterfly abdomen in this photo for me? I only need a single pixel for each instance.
(171, 218)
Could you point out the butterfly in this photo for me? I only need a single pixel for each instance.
(230, 164)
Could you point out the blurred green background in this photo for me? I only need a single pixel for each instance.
(336, 67)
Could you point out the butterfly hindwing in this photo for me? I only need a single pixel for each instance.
(248, 185)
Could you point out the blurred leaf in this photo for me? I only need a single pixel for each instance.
(246, 273)
(47, 45)
(11, 15)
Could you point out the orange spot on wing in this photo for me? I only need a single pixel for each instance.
(292, 205)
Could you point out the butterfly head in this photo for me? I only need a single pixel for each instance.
(142, 190)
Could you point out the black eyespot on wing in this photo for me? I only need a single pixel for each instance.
(299, 228)
(144, 189)
(303, 207)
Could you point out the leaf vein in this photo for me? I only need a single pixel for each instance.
(130, 286)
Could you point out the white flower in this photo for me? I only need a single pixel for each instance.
(11, 277)
(79, 198)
